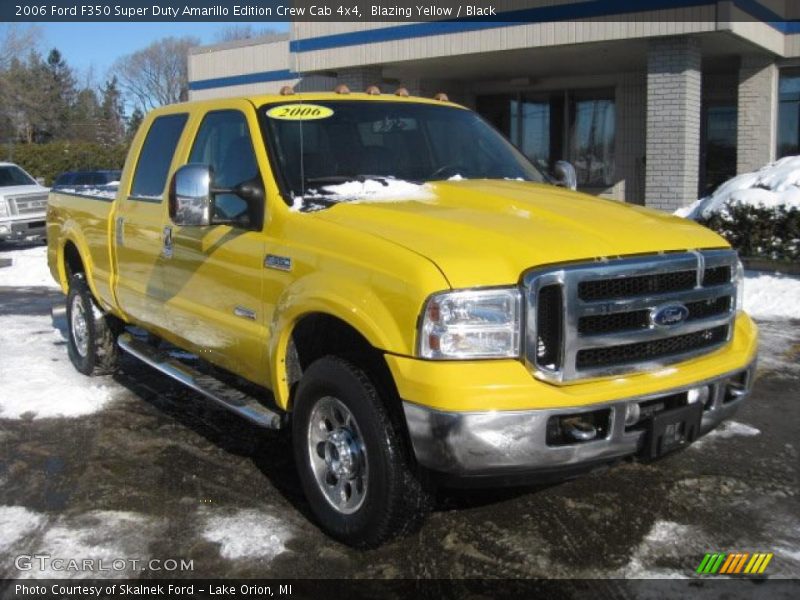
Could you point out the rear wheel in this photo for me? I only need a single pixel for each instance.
(93, 334)
(350, 458)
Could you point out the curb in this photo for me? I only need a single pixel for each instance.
(773, 266)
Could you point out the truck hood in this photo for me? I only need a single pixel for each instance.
(488, 232)
(16, 190)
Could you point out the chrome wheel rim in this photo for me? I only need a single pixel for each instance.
(79, 326)
(337, 455)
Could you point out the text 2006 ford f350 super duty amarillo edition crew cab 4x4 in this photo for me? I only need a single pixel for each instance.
(407, 292)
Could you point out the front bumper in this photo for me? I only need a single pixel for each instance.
(501, 443)
(20, 229)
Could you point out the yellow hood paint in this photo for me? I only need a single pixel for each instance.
(488, 232)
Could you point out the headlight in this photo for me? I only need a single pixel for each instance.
(471, 324)
(739, 280)
(4, 207)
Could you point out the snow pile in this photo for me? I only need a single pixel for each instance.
(368, 190)
(771, 297)
(28, 268)
(108, 191)
(777, 184)
(248, 533)
(16, 522)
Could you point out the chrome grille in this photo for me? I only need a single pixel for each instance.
(27, 205)
(603, 321)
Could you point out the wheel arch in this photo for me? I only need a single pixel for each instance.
(74, 257)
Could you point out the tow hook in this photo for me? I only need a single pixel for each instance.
(579, 430)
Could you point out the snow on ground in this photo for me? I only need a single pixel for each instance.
(778, 352)
(248, 533)
(776, 184)
(727, 430)
(771, 297)
(368, 190)
(28, 267)
(16, 522)
(37, 379)
(665, 539)
(101, 535)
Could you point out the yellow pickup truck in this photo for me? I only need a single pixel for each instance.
(392, 280)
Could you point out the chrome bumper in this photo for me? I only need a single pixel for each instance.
(19, 229)
(478, 444)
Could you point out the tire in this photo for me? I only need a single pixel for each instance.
(359, 448)
(92, 334)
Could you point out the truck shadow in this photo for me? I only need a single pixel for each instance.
(269, 452)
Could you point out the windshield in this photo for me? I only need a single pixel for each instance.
(319, 147)
(12, 175)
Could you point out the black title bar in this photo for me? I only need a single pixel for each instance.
(506, 11)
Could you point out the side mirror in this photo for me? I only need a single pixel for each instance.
(190, 196)
(565, 175)
(40, 181)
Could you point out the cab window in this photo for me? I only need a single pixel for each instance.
(156, 157)
(223, 142)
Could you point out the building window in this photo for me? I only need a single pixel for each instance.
(789, 113)
(718, 146)
(578, 126)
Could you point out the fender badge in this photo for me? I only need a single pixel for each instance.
(281, 263)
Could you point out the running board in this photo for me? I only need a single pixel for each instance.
(226, 396)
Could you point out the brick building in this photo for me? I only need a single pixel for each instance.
(654, 108)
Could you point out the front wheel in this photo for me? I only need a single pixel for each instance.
(351, 460)
(92, 334)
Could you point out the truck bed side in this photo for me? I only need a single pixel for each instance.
(79, 226)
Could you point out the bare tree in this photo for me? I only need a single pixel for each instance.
(16, 42)
(236, 32)
(157, 74)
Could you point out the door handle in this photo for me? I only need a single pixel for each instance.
(166, 250)
(119, 230)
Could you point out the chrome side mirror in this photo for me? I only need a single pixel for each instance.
(190, 196)
(565, 175)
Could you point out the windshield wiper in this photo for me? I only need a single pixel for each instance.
(361, 178)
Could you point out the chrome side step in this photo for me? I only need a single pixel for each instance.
(226, 396)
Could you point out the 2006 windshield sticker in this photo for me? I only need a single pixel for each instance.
(299, 112)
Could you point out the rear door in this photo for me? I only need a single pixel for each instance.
(139, 221)
(213, 277)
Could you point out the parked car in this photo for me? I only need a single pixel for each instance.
(406, 292)
(87, 178)
(23, 204)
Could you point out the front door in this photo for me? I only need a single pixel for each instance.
(213, 276)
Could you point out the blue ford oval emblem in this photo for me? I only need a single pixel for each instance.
(669, 314)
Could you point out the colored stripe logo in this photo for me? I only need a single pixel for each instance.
(734, 563)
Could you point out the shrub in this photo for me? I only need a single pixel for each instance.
(50, 160)
(758, 231)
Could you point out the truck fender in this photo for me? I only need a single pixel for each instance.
(329, 295)
(71, 232)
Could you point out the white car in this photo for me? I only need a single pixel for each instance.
(23, 204)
